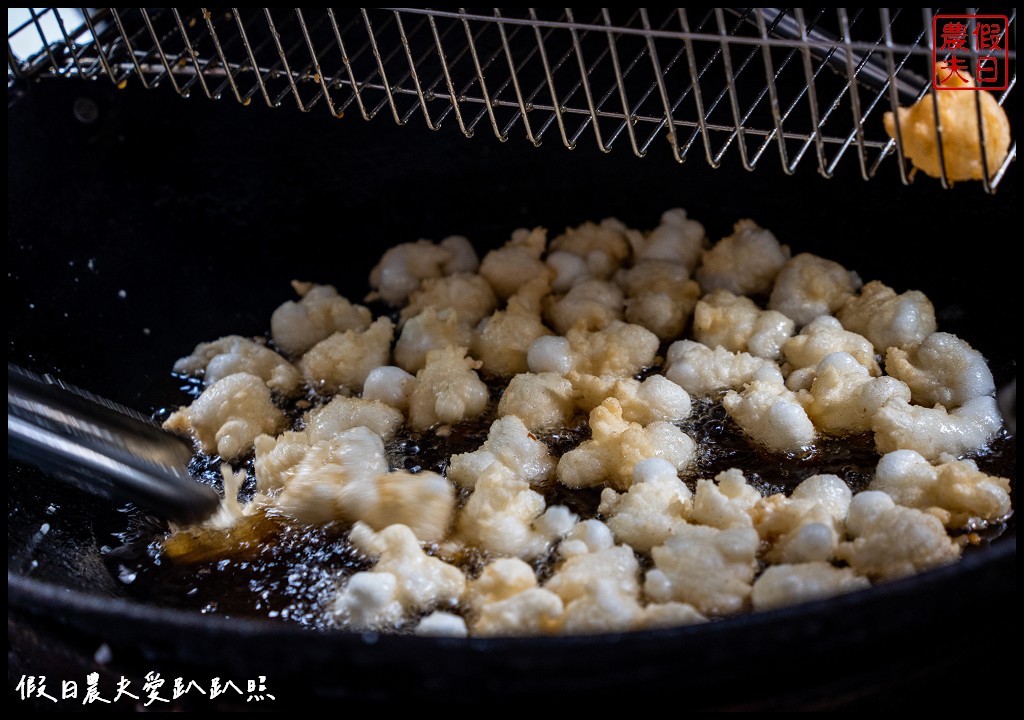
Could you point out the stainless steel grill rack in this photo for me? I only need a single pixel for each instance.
(810, 83)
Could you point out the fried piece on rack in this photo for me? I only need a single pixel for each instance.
(958, 116)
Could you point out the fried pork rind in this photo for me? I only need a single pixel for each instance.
(727, 502)
(234, 354)
(744, 263)
(503, 340)
(659, 295)
(517, 262)
(341, 362)
(404, 580)
(932, 432)
(890, 541)
(887, 319)
(704, 372)
(589, 305)
(954, 491)
(961, 144)
(617, 445)
(469, 295)
(771, 415)
(677, 239)
(603, 247)
(785, 584)
(447, 390)
(505, 516)
(345, 477)
(822, 337)
(655, 505)
(510, 444)
(432, 329)
(228, 416)
(736, 323)
(543, 401)
(943, 369)
(708, 568)
(403, 268)
(655, 399)
(295, 327)
(809, 286)
(844, 398)
(806, 526)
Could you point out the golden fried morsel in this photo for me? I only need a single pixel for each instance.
(958, 115)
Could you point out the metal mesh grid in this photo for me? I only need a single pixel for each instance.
(794, 83)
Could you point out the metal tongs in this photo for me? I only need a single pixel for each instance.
(102, 447)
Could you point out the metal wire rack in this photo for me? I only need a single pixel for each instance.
(808, 83)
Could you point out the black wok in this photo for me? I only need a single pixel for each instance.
(167, 222)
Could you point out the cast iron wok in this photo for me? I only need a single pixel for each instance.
(169, 222)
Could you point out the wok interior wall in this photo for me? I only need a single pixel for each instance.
(167, 222)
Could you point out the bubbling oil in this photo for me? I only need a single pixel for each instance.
(271, 567)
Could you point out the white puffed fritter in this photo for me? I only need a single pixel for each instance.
(587, 536)
(708, 568)
(345, 478)
(821, 337)
(617, 445)
(369, 601)
(226, 418)
(704, 372)
(345, 413)
(887, 319)
(295, 327)
(565, 270)
(535, 611)
(604, 246)
(890, 541)
(655, 505)
(447, 391)
(808, 525)
(517, 262)
(955, 491)
(390, 385)
(234, 354)
(506, 517)
(441, 624)
(659, 295)
(324, 465)
(421, 582)
(543, 401)
(432, 329)
(809, 286)
(771, 414)
(655, 399)
(499, 580)
(844, 398)
(402, 268)
(619, 349)
(727, 502)
(503, 340)
(782, 585)
(600, 591)
(342, 361)
(510, 444)
(736, 323)
(899, 425)
(467, 294)
(677, 239)
(589, 305)
(943, 369)
(744, 263)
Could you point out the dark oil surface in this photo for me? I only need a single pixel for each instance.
(274, 568)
